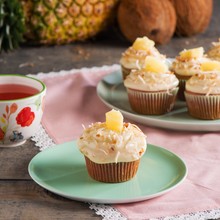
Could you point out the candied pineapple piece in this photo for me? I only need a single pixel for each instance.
(154, 65)
(210, 66)
(143, 43)
(192, 53)
(114, 120)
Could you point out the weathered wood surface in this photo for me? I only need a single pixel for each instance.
(20, 197)
(25, 200)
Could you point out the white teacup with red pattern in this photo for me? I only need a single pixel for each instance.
(21, 108)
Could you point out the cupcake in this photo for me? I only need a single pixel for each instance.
(214, 51)
(112, 149)
(152, 90)
(185, 65)
(203, 93)
(134, 56)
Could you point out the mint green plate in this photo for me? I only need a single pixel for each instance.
(61, 170)
(112, 93)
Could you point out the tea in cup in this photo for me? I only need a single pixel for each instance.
(21, 108)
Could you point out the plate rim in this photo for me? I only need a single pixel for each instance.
(107, 200)
(199, 126)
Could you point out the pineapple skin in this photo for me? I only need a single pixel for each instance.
(63, 21)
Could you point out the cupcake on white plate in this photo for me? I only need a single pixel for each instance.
(214, 51)
(134, 56)
(202, 92)
(186, 64)
(112, 149)
(152, 89)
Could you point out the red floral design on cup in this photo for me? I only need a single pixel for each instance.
(2, 134)
(25, 117)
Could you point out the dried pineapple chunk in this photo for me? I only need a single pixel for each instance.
(210, 66)
(192, 53)
(154, 65)
(143, 43)
(114, 120)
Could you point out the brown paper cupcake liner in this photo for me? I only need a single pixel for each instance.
(112, 172)
(182, 77)
(152, 103)
(180, 94)
(203, 107)
(182, 83)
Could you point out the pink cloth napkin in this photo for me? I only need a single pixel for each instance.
(72, 101)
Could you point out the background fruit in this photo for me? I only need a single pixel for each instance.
(11, 25)
(152, 18)
(64, 21)
(193, 17)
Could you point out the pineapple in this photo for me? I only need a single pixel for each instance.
(155, 65)
(192, 53)
(12, 25)
(143, 43)
(64, 21)
(114, 120)
(210, 66)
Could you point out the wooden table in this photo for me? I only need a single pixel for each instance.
(20, 196)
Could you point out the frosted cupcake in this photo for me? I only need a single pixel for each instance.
(214, 51)
(203, 92)
(134, 56)
(187, 64)
(112, 149)
(152, 90)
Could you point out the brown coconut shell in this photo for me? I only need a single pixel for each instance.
(152, 18)
(193, 17)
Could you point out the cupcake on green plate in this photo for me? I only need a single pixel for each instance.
(134, 56)
(202, 92)
(112, 149)
(186, 64)
(152, 89)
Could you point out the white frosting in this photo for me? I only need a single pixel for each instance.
(134, 59)
(102, 145)
(205, 84)
(148, 81)
(187, 68)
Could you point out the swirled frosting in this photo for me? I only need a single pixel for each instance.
(134, 59)
(102, 145)
(187, 67)
(149, 81)
(205, 84)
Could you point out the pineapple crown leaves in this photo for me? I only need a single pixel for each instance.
(12, 24)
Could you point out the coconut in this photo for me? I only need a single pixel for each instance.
(154, 19)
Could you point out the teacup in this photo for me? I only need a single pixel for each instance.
(21, 108)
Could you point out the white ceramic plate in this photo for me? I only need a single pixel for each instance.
(112, 92)
(62, 170)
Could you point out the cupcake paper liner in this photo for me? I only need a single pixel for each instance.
(180, 94)
(182, 83)
(112, 172)
(152, 103)
(203, 107)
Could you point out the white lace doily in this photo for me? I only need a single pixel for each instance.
(43, 141)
